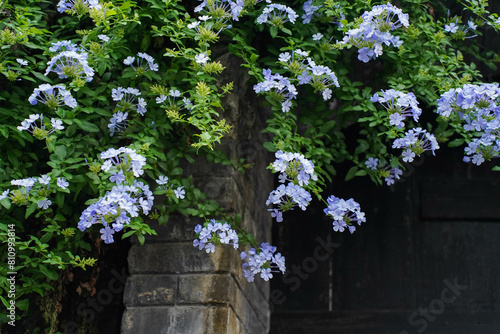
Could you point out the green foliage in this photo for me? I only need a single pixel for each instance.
(348, 128)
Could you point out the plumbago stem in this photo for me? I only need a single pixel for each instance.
(129, 92)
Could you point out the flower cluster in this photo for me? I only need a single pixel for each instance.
(277, 15)
(77, 6)
(478, 107)
(208, 31)
(279, 87)
(222, 10)
(144, 63)
(262, 261)
(344, 213)
(125, 160)
(415, 142)
(309, 11)
(128, 99)
(398, 105)
(40, 131)
(297, 171)
(388, 173)
(375, 30)
(213, 234)
(320, 78)
(65, 45)
(42, 190)
(162, 182)
(52, 96)
(308, 73)
(116, 209)
(70, 64)
(118, 122)
(293, 166)
(460, 32)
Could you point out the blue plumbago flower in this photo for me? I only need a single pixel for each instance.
(477, 106)
(44, 203)
(221, 10)
(344, 213)
(144, 63)
(64, 46)
(317, 36)
(398, 105)
(320, 78)
(262, 261)
(21, 62)
(214, 234)
(180, 192)
(372, 163)
(52, 96)
(4, 194)
(202, 58)
(375, 30)
(118, 122)
(124, 159)
(126, 98)
(77, 6)
(62, 183)
(279, 87)
(277, 15)
(393, 175)
(416, 142)
(460, 32)
(40, 131)
(294, 168)
(70, 64)
(309, 11)
(162, 180)
(116, 208)
(103, 38)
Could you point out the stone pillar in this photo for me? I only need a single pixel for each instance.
(174, 288)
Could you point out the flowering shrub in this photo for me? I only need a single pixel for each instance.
(103, 100)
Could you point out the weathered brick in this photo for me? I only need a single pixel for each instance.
(143, 290)
(179, 258)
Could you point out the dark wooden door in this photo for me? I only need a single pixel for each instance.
(426, 261)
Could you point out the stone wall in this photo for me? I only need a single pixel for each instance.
(174, 287)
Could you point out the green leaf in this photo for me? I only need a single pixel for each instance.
(23, 304)
(30, 209)
(456, 142)
(86, 126)
(51, 274)
(351, 173)
(141, 238)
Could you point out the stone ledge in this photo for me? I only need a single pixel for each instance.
(180, 258)
(181, 320)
